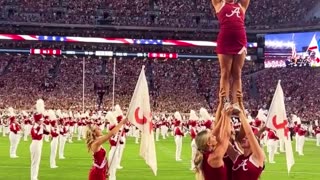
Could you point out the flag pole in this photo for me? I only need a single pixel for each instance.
(83, 81)
(114, 81)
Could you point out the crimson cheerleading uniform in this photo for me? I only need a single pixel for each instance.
(244, 168)
(99, 169)
(211, 173)
(232, 38)
(228, 163)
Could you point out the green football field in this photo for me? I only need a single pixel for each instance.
(78, 162)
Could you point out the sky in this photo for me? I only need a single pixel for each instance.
(301, 39)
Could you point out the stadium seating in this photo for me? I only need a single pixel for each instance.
(174, 85)
(261, 14)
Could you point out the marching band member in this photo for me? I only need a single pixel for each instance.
(81, 125)
(1, 123)
(122, 132)
(71, 123)
(157, 126)
(113, 157)
(317, 133)
(193, 133)
(54, 135)
(163, 127)
(5, 127)
(101, 121)
(301, 138)
(272, 139)
(14, 135)
(46, 122)
(37, 131)
(136, 134)
(297, 124)
(27, 126)
(62, 137)
(178, 135)
(204, 115)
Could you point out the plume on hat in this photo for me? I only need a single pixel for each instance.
(204, 114)
(118, 111)
(11, 112)
(177, 116)
(111, 118)
(52, 115)
(40, 106)
(261, 115)
(59, 113)
(193, 116)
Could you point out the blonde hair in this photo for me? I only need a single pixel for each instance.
(201, 142)
(90, 136)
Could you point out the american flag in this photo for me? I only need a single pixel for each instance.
(147, 41)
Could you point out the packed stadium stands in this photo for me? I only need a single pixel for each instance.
(174, 85)
(262, 14)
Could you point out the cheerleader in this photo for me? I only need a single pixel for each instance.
(94, 140)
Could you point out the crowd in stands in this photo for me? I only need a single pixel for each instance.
(161, 13)
(174, 85)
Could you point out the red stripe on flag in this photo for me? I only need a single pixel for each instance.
(34, 36)
(14, 37)
(312, 48)
(71, 40)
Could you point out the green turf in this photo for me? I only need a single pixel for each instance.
(78, 162)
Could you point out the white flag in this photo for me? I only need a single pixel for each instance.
(139, 114)
(313, 46)
(278, 121)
